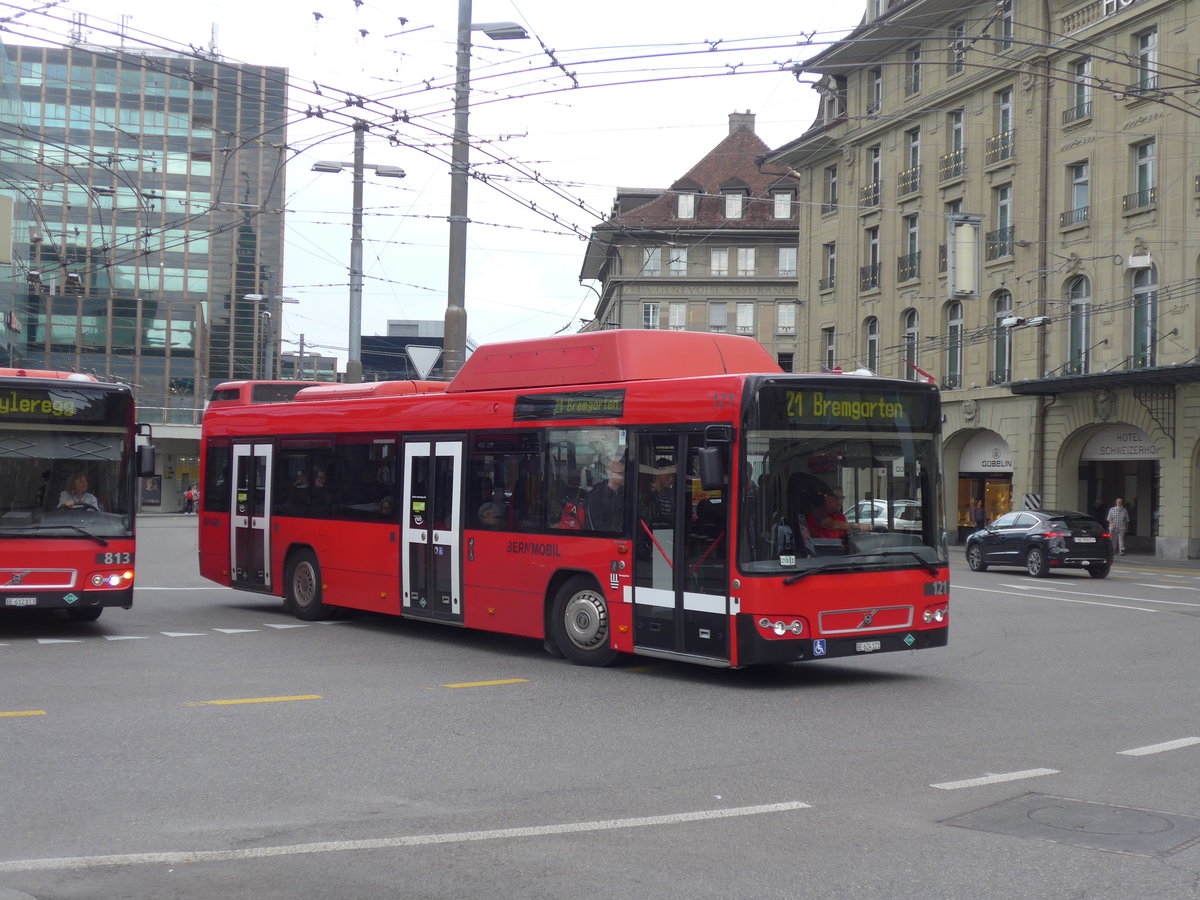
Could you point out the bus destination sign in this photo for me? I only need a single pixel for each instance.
(841, 407)
(573, 405)
(43, 405)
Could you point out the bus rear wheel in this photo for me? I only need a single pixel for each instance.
(303, 586)
(580, 625)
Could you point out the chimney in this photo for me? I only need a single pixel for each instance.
(741, 122)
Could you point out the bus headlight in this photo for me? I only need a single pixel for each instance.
(935, 614)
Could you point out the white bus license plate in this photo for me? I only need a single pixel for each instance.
(868, 646)
(20, 601)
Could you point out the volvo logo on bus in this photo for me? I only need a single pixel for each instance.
(868, 619)
(18, 577)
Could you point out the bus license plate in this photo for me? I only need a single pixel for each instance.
(20, 601)
(868, 646)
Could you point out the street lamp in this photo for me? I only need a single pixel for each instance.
(354, 355)
(455, 332)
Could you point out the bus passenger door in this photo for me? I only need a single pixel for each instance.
(250, 536)
(430, 573)
(680, 598)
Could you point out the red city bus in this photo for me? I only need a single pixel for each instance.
(69, 468)
(646, 492)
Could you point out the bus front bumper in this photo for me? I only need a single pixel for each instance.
(754, 649)
(71, 599)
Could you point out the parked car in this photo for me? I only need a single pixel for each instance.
(905, 514)
(1041, 541)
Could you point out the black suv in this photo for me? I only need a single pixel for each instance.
(1042, 540)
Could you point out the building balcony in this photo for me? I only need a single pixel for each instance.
(952, 165)
(1000, 147)
(827, 283)
(998, 243)
(1077, 113)
(1073, 218)
(952, 381)
(868, 194)
(1000, 376)
(1139, 200)
(1146, 83)
(908, 181)
(868, 277)
(908, 266)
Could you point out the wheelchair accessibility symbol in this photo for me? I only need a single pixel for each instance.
(819, 647)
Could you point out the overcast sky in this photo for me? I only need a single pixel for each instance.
(656, 83)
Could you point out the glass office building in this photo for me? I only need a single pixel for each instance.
(148, 226)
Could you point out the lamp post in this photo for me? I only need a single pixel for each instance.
(354, 355)
(454, 341)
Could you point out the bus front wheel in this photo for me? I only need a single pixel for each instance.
(580, 623)
(304, 588)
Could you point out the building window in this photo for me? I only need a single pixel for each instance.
(869, 274)
(911, 323)
(1145, 318)
(717, 316)
(685, 205)
(1144, 189)
(999, 243)
(909, 179)
(908, 266)
(1145, 53)
(953, 164)
(828, 349)
(677, 316)
(677, 261)
(735, 203)
(745, 262)
(787, 361)
(954, 346)
(1081, 91)
(652, 260)
(787, 262)
(650, 315)
(785, 317)
(874, 90)
(1078, 210)
(871, 343)
(912, 69)
(958, 49)
(1079, 302)
(829, 203)
(1001, 145)
(718, 262)
(781, 204)
(745, 318)
(829, 267)
(1002, 341)
(1004, 31)
(868, 194)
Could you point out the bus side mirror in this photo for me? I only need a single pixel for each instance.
(711, 461)
(145, 460)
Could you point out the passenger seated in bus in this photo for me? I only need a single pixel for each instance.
(386, 506)
(318, 492)
(489, 515)
(76, 495)
(606, 503)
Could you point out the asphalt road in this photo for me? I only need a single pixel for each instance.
(1050, 751)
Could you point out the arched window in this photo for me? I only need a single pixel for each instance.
(912, 339)
(1145, 317)
(871, 343)
(954, 345)
(1079, 311)
(1002, 344)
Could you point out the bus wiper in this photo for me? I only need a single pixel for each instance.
(837, 561)
(26, 529)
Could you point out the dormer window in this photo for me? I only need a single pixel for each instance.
(735, 204)
(685, 205)
(781, 204)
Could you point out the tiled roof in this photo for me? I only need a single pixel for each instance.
(732, 164)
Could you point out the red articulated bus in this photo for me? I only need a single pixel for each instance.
(69, 468)
(667, 494)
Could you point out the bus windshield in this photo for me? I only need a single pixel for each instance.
(840, 475)
(61, 482)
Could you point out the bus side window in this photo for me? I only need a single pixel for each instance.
(215, 494)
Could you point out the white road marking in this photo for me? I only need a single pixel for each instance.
(1163, 747)
(235, 630)
(182, 633)
(416, 840)
(58, 641)
(126, 637)
(1168, 587)
(992, 779)
(202, 587)
(1116, 597)
(286, 625)
(963, 587)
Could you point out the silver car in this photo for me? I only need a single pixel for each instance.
(904, 515)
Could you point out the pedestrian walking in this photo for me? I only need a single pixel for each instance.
(1118, 524)
(979, 516)
(189, 501)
